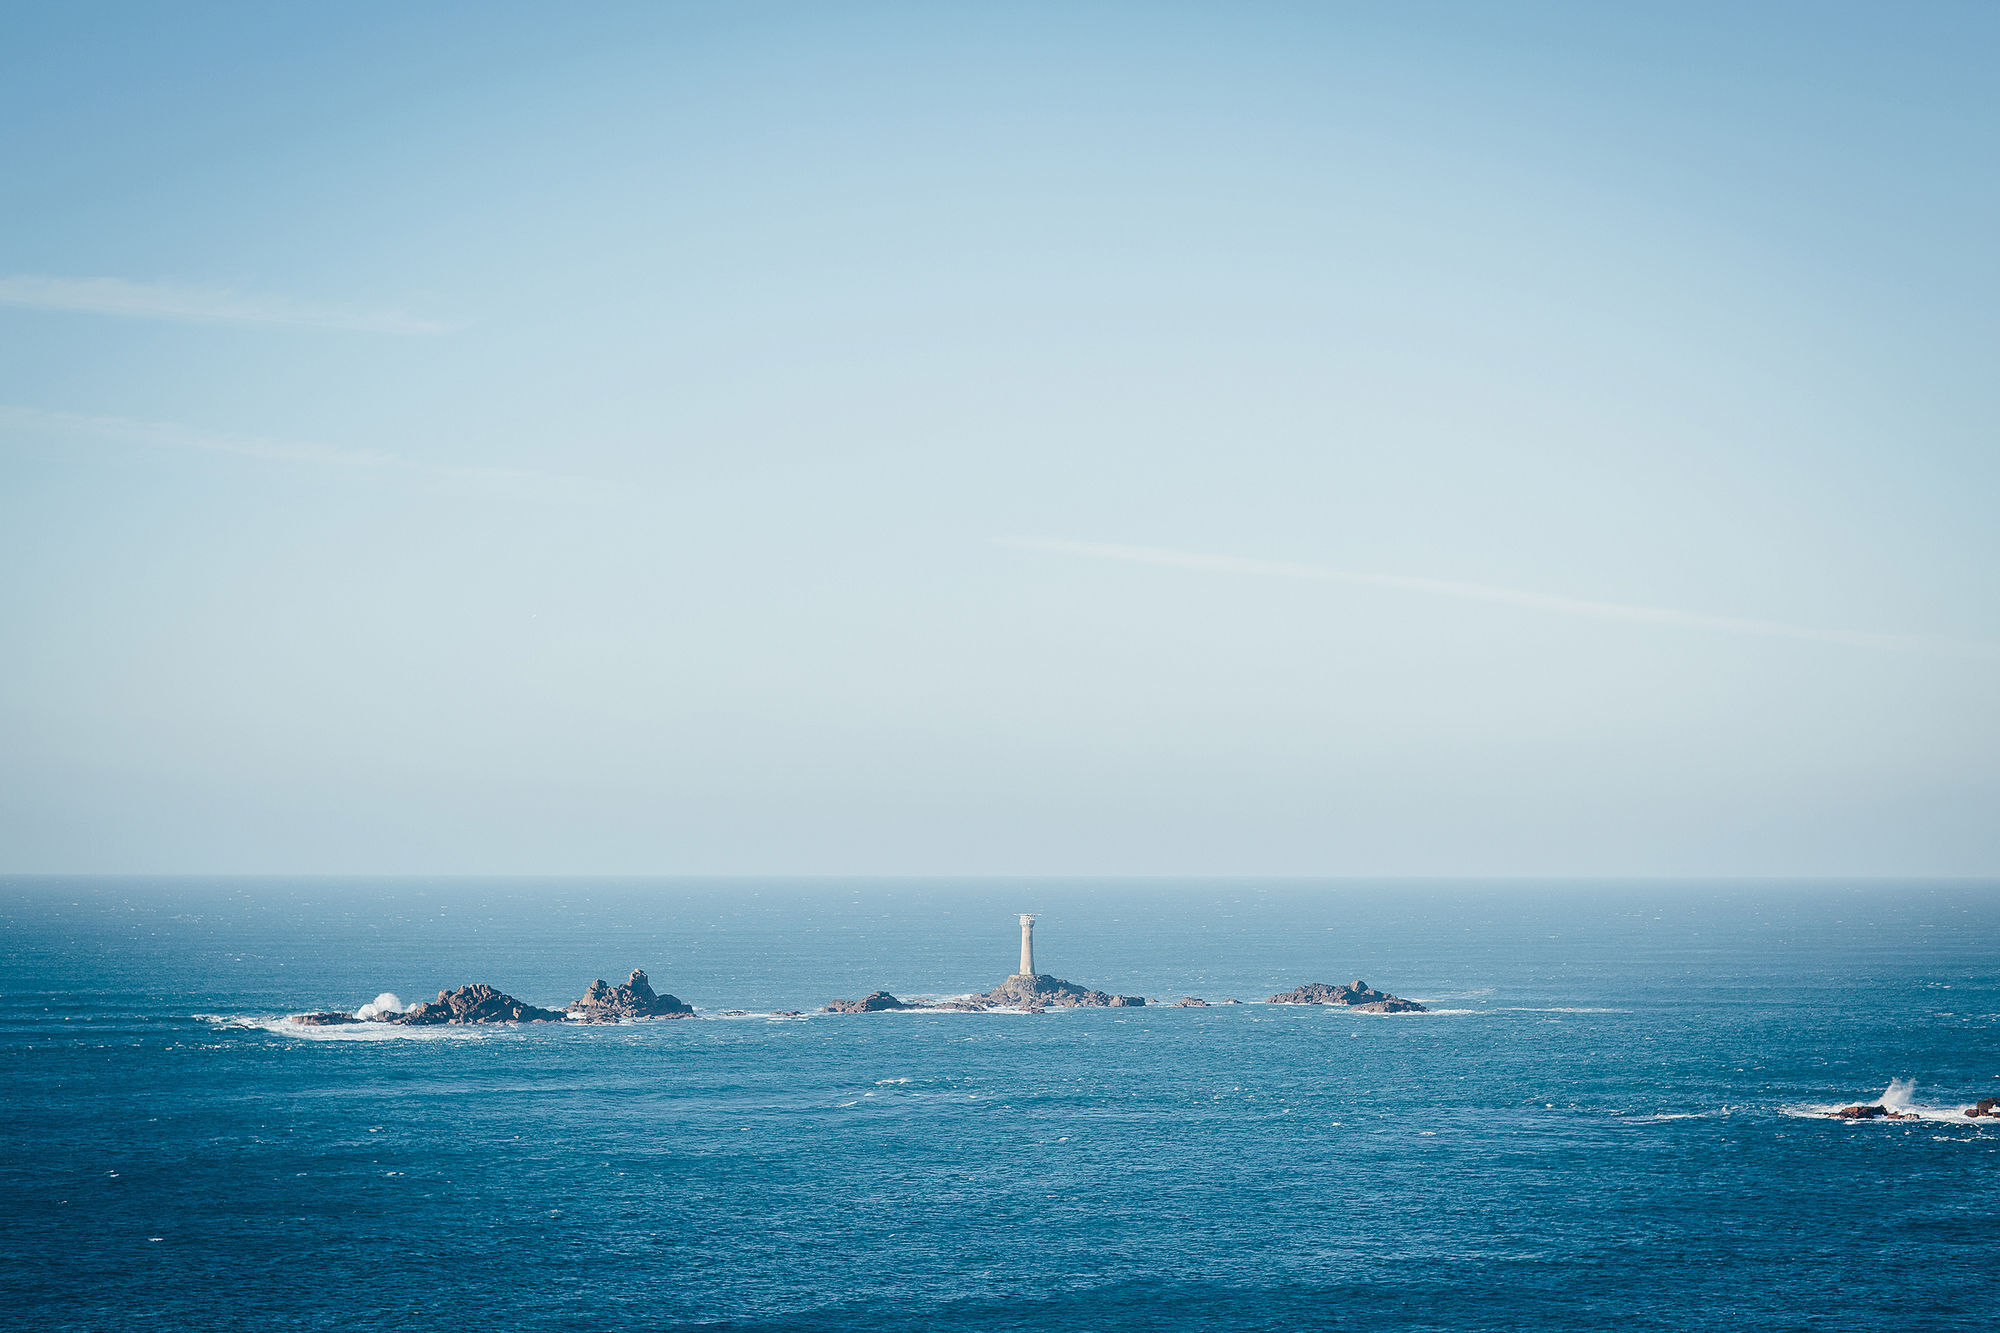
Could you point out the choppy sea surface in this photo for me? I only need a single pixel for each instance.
(1607, 1122)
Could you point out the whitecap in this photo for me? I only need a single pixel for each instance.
(284, 1027)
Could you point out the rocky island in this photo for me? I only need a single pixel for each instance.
(481, 1003)
(477, 1003)
(1360, 997)
(874, 1003)
(635, 999)
(1875, 1111)
(1029, 990)
(1035, 994)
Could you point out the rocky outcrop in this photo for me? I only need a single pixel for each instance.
(1874, 1112)
(602, 1003)
(477, 1003)
(1191, 1002)
(874, 1003)
(1043, 991)
(1036, 994)
(1985, 1106)
(1359, 996)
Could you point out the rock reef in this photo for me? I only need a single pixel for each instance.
(481, 1003)
(873, 1003)
(1043, 991)
(1985, 1106)
(1877, 1111)
(602, 1003)
(1360, 996)
(477, 1003)
(1036, 994)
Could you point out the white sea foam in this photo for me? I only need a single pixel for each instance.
(1899, 1097)
(285, 1027)
(382, 1006)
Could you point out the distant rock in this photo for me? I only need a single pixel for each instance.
(477, 1003)
(1043, 991)
(1360, 996)
(321, 1018)
(1191, 1002)
(874, 1003)
(1874, 1112)
(603, 1003)
(1035, 995)
(1985, 1106)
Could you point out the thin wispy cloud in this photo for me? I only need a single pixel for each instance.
(170, 435)
(200, 305)
(1482, 592)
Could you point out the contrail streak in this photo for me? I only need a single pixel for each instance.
(199, 305)
(1483, 592)
(170, 435)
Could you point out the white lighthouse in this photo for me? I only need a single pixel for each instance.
(1027, 945)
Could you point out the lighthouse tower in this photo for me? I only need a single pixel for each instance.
(1027, 945)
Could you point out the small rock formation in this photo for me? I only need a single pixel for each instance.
(1036, 994)
(603, 1003)
(1046, 992)
(1874, 1112)
(477, 1003)
(874, 1003)
(1191, 1002)
(1985, 1106)
(1360, 996)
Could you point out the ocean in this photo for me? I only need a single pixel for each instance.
(1609, 1120)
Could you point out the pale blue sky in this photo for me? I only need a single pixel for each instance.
(1417, 439)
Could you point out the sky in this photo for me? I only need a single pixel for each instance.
(1094, 439)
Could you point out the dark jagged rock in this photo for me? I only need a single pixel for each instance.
(1360, 996)
(1046, 992)
(325, 1018)
(477, 1003)
(1874, 1112)
(1985, 1106)
(603, 1003)
(1035, 995)
(875, 1003)
(1191, 1002)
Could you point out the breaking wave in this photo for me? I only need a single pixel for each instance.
(1900, 1098)
(281, 1026)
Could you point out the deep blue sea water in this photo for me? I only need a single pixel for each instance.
(1602, 1127)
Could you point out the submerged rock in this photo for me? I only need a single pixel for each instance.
(321, 1018)
(603, 1003)
(874, 1003)
(477, 1003)
(1360, 996)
